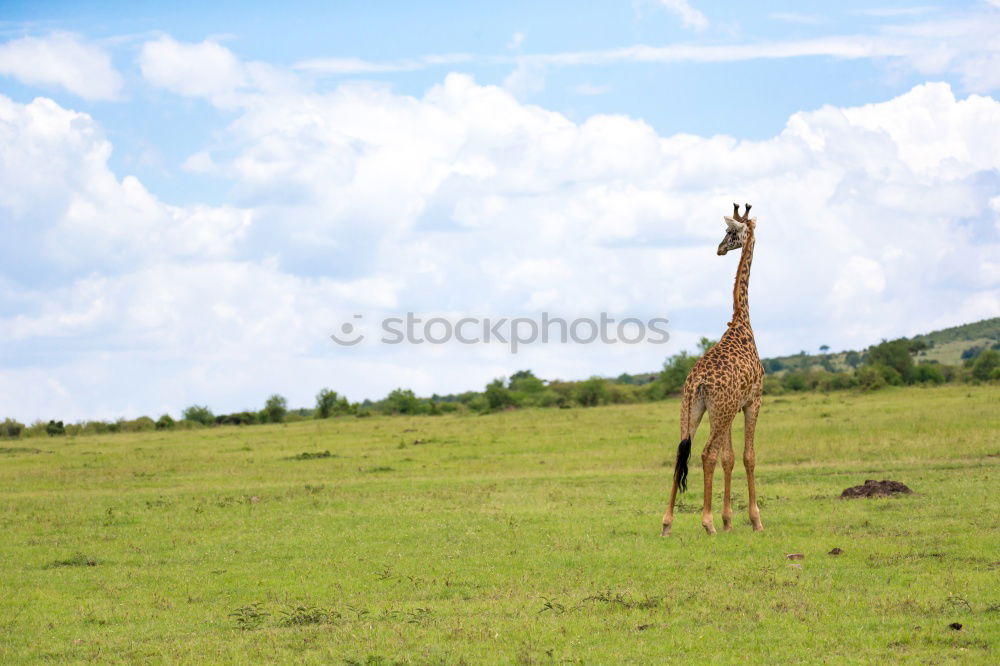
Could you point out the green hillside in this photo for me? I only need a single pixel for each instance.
(945, 346)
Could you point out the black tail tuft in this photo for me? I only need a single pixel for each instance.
(681, 467)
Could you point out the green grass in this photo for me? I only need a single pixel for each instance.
(521, 537)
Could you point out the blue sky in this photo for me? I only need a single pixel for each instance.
(195, 197)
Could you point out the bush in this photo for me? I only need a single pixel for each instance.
(10, 429)
(772, 365)
(498, 395)
(275, 409)
(328, 404)
(794, 381)
(165, 422)
(926, 373)
(199, 414)
(592, 392)
(838, 381)
(890, 374)
(894, 355)
(985, 364)
(772, 385)
(55, 429)
(624, 393)
(524, 381)
(869, 378)
(971, 353)
(141, 424)
(675, 371)
(402, 401)
(238, 419)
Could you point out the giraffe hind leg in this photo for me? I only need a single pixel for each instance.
(694, 420)
(722, 423)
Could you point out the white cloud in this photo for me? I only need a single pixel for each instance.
(209, 70)
(206, 69)
(62, 59)
(59, 198)
(526, 79)
(960, 45)
(874, 221)
(474, 173)
(346, 66)
(689, 16)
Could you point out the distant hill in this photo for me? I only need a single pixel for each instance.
(945, 346)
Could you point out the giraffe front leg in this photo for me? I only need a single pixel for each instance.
(750, 460)
(728, 461)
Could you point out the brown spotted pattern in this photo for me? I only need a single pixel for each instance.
(726, 380)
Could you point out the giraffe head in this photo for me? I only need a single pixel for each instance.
(736, 229)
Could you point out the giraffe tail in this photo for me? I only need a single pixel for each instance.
(681, 466)
(684, 448)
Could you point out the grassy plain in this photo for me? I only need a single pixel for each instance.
(520, 537)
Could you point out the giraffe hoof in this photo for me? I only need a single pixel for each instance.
(710, 528)
(727, 525)
(666, 531)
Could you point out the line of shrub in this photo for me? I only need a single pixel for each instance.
(890, 363)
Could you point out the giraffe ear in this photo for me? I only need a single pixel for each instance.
(732, 224)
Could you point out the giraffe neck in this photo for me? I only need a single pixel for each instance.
(741, 304)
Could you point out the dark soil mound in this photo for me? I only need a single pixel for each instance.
(876, 489)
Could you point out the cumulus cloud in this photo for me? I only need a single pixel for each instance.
(64, 207)
(62, 59)
(195, 70)
(471, 172)
(209, 70)
(874, 221)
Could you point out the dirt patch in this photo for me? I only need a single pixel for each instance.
(873, 488)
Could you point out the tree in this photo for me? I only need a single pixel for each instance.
(971, 353)
(705, 344)
(275, 409)
(402, 401)
(853, 359)
(927, 373)
(55, 429)
(199, 414)
(165, 422)
(985, 364)
(11, 429)
(772, 365)
(329, 403)
(525, 381)
(592, 392)
(824, 348)
(894, 354)
(675, 371)
(497, 395)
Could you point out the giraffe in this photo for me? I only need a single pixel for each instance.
(727, 379)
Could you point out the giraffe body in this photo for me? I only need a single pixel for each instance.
(726, 380)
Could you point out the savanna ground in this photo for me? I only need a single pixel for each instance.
(520, 537)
